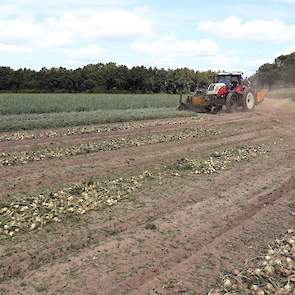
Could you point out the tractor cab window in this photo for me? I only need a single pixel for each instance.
(224, 79)
(231, 81)
(234, 83)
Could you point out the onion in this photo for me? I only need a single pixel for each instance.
(260, 292)
(33, 226)
(269, 269)
(288, 288)
(227, 283)
(271, 252)
(254, 287)
(267, 258)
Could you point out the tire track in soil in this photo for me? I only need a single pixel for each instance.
(227, 252)
(170, 260)
(191, 238)
(67, 243)
(61, 141)
(111, 292)
(57, 172)
(260, 139)
(240, 217)
(57, 273)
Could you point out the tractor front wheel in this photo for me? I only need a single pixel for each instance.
(249, 101)
(231, 102)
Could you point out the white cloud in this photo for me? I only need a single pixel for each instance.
(112, 24)
(29, 33)
(170, 46)
(14, 49)
(54, 29)
(290, 49)
(16, 31)
(170, 52)
(64, 31)
(57, 39)
(251, 66)
(89, 54)
(257, 30)
(6, 10)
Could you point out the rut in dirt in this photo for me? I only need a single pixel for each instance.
(38, 175)
(118, 229)
(170, 238)
(193, 237)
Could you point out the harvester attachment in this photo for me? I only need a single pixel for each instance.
(261, 95)
(196, 103)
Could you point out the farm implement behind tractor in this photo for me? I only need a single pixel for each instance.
(229, 90)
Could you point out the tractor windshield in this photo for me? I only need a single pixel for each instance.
(226, 79)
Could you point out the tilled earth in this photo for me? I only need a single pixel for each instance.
(183, 202)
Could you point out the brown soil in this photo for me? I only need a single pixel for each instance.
(170, 238)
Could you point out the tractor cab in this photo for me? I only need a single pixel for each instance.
(231, 80)
(226, 82)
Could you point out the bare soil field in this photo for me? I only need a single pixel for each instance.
(177, 232)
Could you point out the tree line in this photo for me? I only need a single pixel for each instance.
(101, 78)
(280, 73)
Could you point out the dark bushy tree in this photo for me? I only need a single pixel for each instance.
(279, 73)
(97, 78)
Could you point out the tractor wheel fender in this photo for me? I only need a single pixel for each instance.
(231, 102)
(249, 100)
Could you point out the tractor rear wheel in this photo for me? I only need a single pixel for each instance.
(181, 107)
(231, 102)
(249, 101)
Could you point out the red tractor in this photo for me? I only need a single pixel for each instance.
(229, 90)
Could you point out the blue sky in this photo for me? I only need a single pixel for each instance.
(225, 35)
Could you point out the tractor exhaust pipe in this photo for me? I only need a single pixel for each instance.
(180, 98)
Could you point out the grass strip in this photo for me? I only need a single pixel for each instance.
(284, 93)
(40, 103)
(59, 120)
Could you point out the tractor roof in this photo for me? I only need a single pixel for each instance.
(230, 74)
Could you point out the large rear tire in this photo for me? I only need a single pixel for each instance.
(249, 101)
(232, 102)
(181, 107)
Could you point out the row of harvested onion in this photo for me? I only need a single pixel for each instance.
(79, 130)
(29, 212)
(24, 157)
